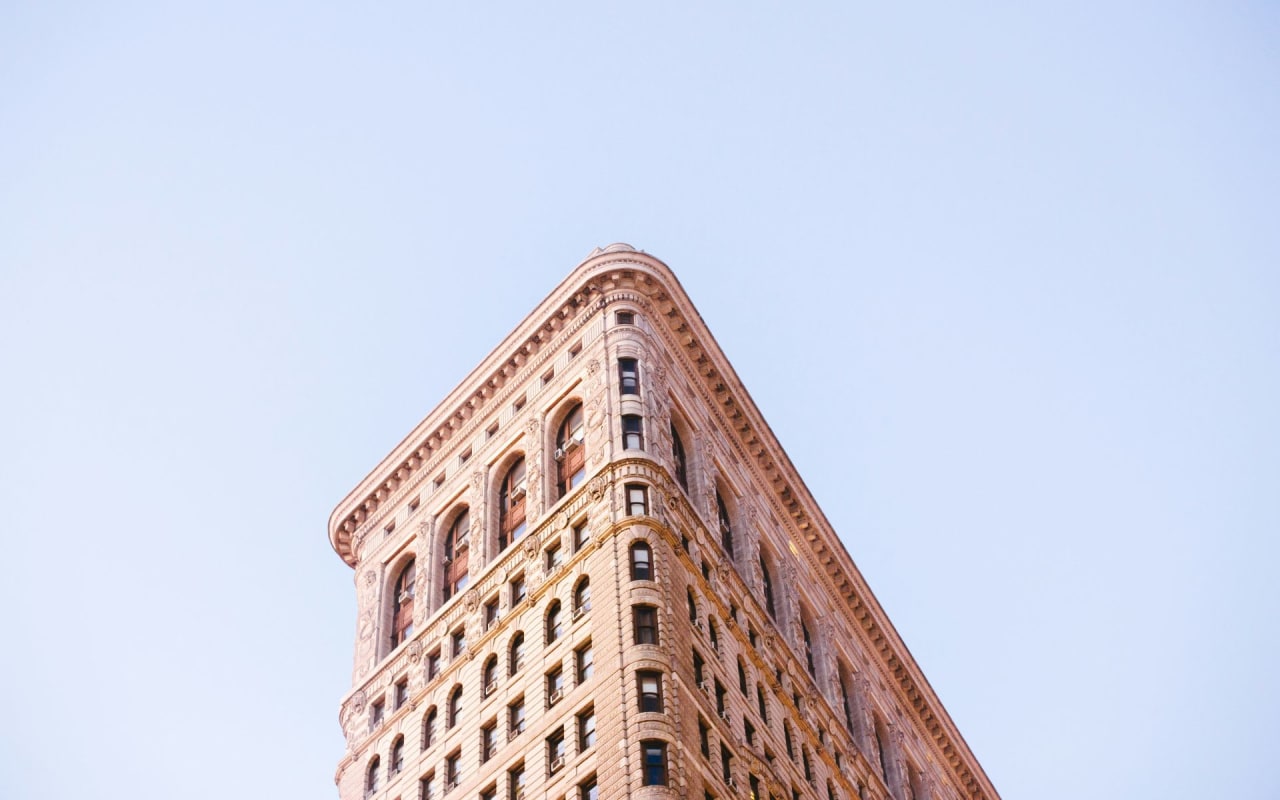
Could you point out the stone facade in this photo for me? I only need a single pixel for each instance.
(777, 674)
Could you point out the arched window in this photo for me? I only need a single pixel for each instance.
(571, 452)
(555, 626)
(693, 606)
(726, 528)
(402, 606)
(490, 675)
(511, 507)
(456, 547)
(582, 597)
(371, 782)
(641, 562)
(516, 659)
(455, 706)
(397, 755)
(429, 728)
(678, 459)
(767, 579)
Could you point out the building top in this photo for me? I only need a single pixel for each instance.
(619, 273)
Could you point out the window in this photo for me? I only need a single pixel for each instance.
(402, 692)
(455, 554)
(427, 787)
(726, 763)
(548, 376)
(519, 590)
(402, 606)
(720, 694)
(490, 793)
(804, 759)
(767, 580)
(646, 624)
(397, 755)
(742, 678)
(377, 710)
(491, 431)
(457, 643)
(628, 376)
(554, 557)
(586, 728)
(748, 731)
(649, 687)
(516, 659)
(515, 782)
(698, 665)
(726, 529)
(452, 769)
(515, 719)
(637, 500)
(582, 597)
(371, 776)
(511, 506)
(786, 739)
(433, 664)
(626, 318)
(555, 751)
(760, 704)
(581, 535)
(653, 754)
(455, 706)
(555, 622)
(489, 679)
(713, 633)
(570, 452)
(589, 790)
(490, 613)
(641, 562)
(632, 432)
(678, 459)
(808, 647)
(429, 728)
(488, 740)
(693, 606)
(584, 663)
(555, 686)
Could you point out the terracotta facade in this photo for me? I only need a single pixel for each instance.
(673, 617)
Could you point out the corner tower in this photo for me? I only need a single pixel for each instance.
(591, 572)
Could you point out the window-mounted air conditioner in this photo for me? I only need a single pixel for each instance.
(724, 715)
(555, 696)
(517, 492)
(557, 763)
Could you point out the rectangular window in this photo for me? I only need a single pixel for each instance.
(519, 591)
(760, 704)
(515, 719)
(626, 318)
(653, 754)
(548, 376)
(555, 686)
(586, 728)
(585, 663)
(433, 664)
(490, 793)
(649, 687)
(589, 790)
(377, 711)
(458, 642)
(720, 693)
(726, 763)
(518, 404)
(491, 431)
(637, 499)
(555, 557)
(748, 731)
(427, 787)
(490, 613)
(632, 432)
(488, 740)
(515, 782)
(698, 665)
(580, 535)
(646, 624)
(704, 738)
(628, 376)
(555, 751)
(452, 769)
(402, 692)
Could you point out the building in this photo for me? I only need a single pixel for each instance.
(591, 572)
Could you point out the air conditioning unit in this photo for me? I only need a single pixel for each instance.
(518, 794)
(490, 688)
(732, 783)
(705, 685)
(555, 696)
(446, 561)
(557, 763)
(701, 626)
(462, 542)
(517, 492)
(560, 454)
(406, 596)
(724, 715)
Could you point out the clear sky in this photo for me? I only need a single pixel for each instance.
(1003, 280)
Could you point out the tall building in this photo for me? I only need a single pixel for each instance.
(591, 572)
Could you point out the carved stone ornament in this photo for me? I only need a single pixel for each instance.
(370, 577)
(471, 601)
(531, 546)
(414, 652)
(597, 488)
(477, 480)
(593, 367)
(531, 426)
(358, 701)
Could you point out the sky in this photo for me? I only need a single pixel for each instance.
(1002, 279)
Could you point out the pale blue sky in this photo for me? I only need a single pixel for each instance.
(1003, 280)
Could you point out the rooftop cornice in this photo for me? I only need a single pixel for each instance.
(604, 274)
